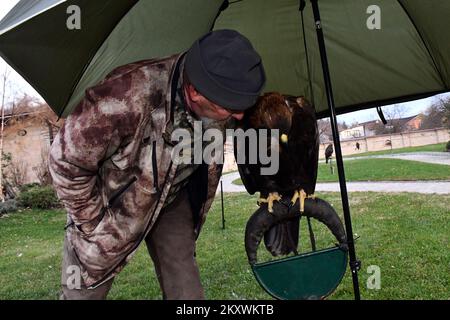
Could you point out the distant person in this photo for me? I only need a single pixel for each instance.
(328, 152)
(357, 146)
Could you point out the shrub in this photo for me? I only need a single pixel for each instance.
(448, 146)
(28, 186)
(38, 197)
(8, 206)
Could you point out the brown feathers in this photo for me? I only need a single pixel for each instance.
(271, 112)
(295, 119)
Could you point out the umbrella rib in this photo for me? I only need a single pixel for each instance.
(424, 43)
(307, 59)
(222, 8)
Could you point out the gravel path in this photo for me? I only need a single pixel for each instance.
(438, 187)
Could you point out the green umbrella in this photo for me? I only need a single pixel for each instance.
(408, 58)
(61, 62)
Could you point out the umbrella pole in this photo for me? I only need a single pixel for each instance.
(354, 263)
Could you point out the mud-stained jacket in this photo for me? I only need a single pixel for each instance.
(111, 166)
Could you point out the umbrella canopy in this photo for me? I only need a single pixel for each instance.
(407, 58)
(61, 63)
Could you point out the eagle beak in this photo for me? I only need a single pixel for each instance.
(284, 138)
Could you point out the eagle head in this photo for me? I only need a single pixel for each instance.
(272, 111)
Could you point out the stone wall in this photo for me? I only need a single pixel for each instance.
(28, 142)
(29, 150)
(372, 143)
(398, 140)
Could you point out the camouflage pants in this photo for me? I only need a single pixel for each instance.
(171, 245)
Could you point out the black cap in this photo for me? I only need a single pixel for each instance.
(225, 68)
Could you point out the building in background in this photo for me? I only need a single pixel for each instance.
(376, 127)
(352, 133)
(29, 130)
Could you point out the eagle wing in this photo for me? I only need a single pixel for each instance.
(246, 171)
(304, 146)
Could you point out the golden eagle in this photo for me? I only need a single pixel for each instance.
(295, 118)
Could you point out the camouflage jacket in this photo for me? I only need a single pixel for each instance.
(111, 166)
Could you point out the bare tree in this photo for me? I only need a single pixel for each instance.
(49, 120)
(394, 116)
(22, 106)
(4, 80)
(324, 128)
(433, 117)
(446, 120)
(439, 112)
(342, 126)
(354, 124)
(42, 171)
(17, 173)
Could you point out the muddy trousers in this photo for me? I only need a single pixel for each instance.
(171, 245)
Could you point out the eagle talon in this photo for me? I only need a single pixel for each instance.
(273, 196)
(302, 196)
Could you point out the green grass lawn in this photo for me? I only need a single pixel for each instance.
(385, 170)
(406, 235)
(439, 147)
(382, 170)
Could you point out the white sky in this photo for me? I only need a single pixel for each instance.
(410, 109)
(19, 85)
